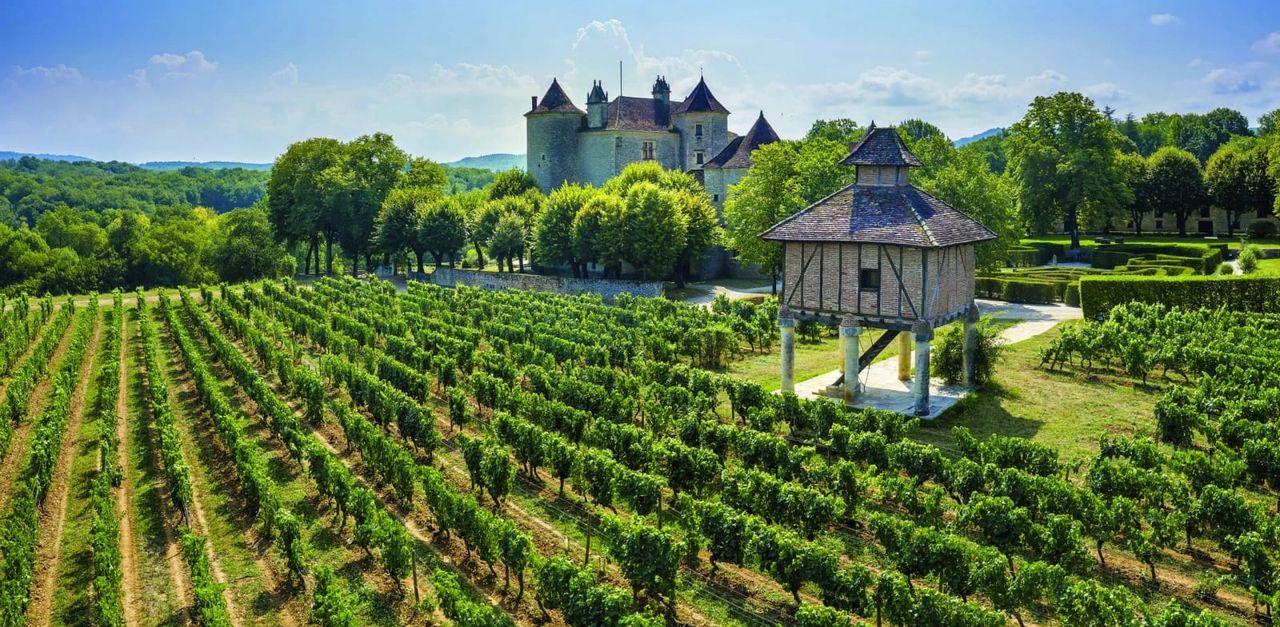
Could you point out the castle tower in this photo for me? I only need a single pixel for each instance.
(703, 124)
(662, 100)
(551, 136)
(597, 106)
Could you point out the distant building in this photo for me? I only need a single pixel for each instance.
(567, 145)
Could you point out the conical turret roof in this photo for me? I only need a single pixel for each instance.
(556, 101)
(700, 100)
(738, 153)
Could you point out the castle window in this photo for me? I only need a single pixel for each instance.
(646, 151)
(715, 197)
(697, 156)
(697, 130)
(869, 279)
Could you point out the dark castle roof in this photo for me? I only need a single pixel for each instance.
(738, 153)
(881, 146)
(630, 113)
(597, 93)
(556, 101)
(700, 100)
(902, 215)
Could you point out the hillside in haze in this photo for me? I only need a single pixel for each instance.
(973, 138)
(496, 162)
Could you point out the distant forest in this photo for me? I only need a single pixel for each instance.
(95, 226)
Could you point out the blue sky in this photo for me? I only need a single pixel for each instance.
(236, 80)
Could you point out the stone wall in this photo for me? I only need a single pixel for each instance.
(608, 288)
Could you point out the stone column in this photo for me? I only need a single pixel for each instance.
(904, 356)
(924, 335)
(970, 344)
(787, 327)
(849, 334)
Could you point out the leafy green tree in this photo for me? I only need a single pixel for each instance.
(396, 227)
(246, 248)
(702, 230)
(1268, 122)
(784, 178)
(1137, 178)
(512, 182)
(1062, 158)
(441, 230)
(655, 229)
(1176, 184)
(507, 240)
(554, 240)
(373, 166)
(424, 173)
(299, 196)
(840, 130)
(648, 558)
(915, 129)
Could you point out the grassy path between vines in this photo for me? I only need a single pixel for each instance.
(124, 494)
(52, 563)
(164, 587)
(20, 444)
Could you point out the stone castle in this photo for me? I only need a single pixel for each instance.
(565, 144)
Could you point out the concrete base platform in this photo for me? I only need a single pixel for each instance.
(883, 390)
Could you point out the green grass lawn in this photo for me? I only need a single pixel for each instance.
(1269, 266)
(1066, 410)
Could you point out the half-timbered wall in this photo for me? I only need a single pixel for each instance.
(915, 283)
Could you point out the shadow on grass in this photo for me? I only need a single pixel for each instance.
(984, 414)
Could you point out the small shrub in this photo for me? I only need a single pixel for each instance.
(808, 331)
(1248, 259)
(948, 353)
(1208, 583)
(1264, 227)
(1226, 268)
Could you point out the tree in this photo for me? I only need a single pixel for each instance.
(702, 230)
(397, 223)
(373, 166)
(1177, 185)
(247, 249)
(424, 173)
(963, 180)
(599, 232)
(507, 240)
(1225, 182)
(1136, 176)
(915, 129)
(784, 178)
(299, 196)
(647, 557)
(1268, 122)
(998, 521)
(512, 182)
(1062, 157)
(553, 235)
(441, 230)
(655, 229)
(840, 130)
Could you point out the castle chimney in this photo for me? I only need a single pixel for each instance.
(533, 102)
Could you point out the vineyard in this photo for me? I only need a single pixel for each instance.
(343, 453)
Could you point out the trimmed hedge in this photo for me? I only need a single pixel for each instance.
(1072, 297)
(1038, 292)
(1257, 294)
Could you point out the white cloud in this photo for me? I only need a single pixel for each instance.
(922, 55)
(1164, 19)
(976, 87)
(1105, 91)
(1269, 44)
(59, 72)
(169, 66)
(1198, 63)
(1232, 80)
(286, 76)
